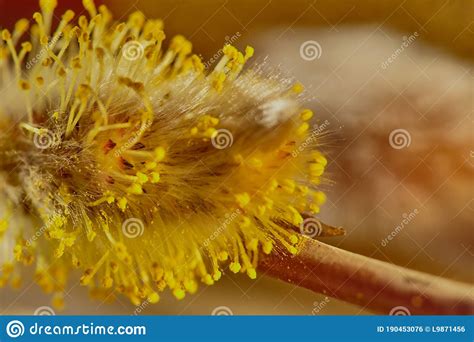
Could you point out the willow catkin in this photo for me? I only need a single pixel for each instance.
(145, 170)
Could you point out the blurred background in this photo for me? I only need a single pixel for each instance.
(391, 85)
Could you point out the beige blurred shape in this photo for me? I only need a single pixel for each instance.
(368, 82)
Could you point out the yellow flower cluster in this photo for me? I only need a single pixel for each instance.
(110, 160)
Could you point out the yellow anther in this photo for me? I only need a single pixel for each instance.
(86, 277)
(209, 133)
(302, 128)
(252, 273)
(48, 5)
(197, 63)
(90, 7)
(75, 261)
(320, 159)
(136, 19)
(294, 239)
(297, 88)
(17, 251)
(306, 115)
(135, 189)
(252, 244)
(238, 158)
(273, 185)
(21, 26)
(218, 81)
(303, 189)
(319, 197)
(141, 178)
(238, 60)
(76, 63)
(44, 40)
(208, 280)
(61, 71)
(217, 275)
(26, 46)
(230, 51)
(38, 18)
(255, 163)
(3, 225)
(106, 198)
(249, 51)
(6, 35)
(153, 298)
(190, 285)
(68, 16)
(223, 256)
(245, 222)
(107, 282)
(24, 85)
(179, 293)
(289, 185)
(296, 217)
(235, 267)
(268, 202)
(242, 199)
(267, 247)
(213, 121)
(83, 23)
(151, 165)
(316, 169)
(314, 208)
(120, 27)
(155, 177)
(180, 45)
(159, 154)
(292, 250)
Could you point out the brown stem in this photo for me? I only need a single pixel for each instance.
(372, 284)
